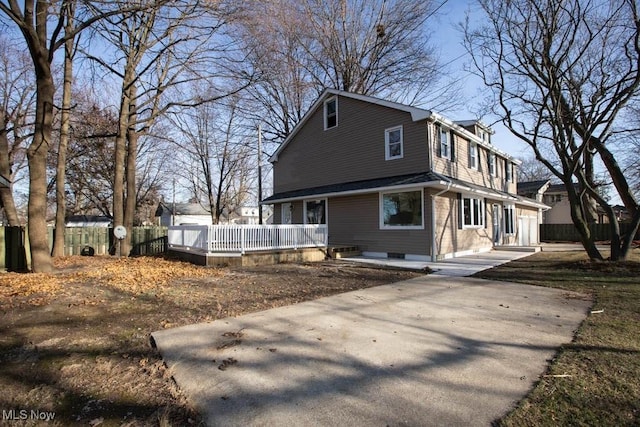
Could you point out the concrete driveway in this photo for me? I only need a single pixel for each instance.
(433, 350)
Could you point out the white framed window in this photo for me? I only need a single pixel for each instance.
(444, 137)
(473, 155)
(393, 143)
(509, 219)
(484, 135)
(330, 113)
(472, 212)
(492, 164)
(508, 170)
(402, 210)
(315, 211)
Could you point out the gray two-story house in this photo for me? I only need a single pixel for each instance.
(399, 181)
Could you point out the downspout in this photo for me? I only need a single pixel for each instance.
(430, 140)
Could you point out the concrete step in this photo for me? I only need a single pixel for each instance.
(337, 252)
(518, 248)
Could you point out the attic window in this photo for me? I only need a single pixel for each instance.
(330, 113)
(393, 143)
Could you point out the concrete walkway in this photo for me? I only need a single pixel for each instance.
(423, 352)
(453, 267)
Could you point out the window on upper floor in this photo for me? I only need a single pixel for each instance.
(492, 164)
(393, 143)
(444, 138)
(508, 170)
(330, 113)
(484, 135)
(472, 212)
(473, 155)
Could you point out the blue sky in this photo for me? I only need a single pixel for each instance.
(449, 38)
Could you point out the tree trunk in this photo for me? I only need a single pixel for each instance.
(61, 167)
(37, 158)
(120, 156)
(6, 194)
(132, 155)
(581, 224)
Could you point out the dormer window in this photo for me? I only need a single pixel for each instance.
(330, 113)
(492, 164)
(508, 170)
(445, 142)
(484, 135)
(473, 155)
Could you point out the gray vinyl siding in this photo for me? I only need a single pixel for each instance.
(352, 151)
(355, 220)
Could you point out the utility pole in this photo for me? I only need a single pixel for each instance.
(259, 173)
(173, 204)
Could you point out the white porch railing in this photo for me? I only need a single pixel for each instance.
(246, 238)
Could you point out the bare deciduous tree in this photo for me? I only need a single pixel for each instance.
(65, 117)
(561, 73)
(16, 116)
(377, 48)
(532, 170)
(41, 24)
(217, 157)
(159, 52)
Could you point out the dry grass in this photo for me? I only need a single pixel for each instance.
(76, 342)
(595, 380)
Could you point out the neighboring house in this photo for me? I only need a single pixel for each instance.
(88, 221)
(557, 198)
(196, 214)
(184, 214)
(535, 190)
(399, 181)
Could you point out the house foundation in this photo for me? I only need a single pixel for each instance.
(250, 259)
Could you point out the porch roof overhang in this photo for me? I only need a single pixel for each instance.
(423, 179)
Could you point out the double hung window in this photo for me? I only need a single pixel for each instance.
(330, 113)
(473, 155)
(393, 143)
(445, 142)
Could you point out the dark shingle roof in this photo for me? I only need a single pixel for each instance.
(369, 184)
(528, 187)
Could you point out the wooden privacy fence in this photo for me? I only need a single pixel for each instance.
(569, 233)
(14, 244)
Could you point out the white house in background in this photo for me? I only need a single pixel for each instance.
(196, 214)
(88, 221)
(184, 214)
